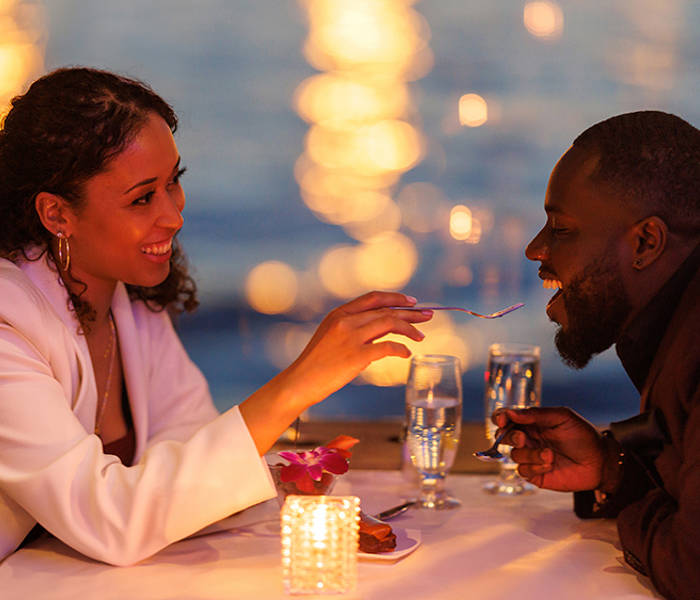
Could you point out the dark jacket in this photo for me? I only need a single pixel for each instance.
(658, 502)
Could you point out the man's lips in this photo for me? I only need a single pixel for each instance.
(550, 281)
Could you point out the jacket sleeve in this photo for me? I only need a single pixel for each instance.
(56, 472)
(660, 535)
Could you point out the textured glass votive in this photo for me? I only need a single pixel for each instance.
(319, 544)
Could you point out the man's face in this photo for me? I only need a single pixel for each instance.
(579, 249)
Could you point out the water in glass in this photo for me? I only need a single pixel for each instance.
(513, 380)
(433, 424)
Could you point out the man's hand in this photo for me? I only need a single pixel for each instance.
(555, 448)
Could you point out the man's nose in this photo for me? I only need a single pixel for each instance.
(537, 248)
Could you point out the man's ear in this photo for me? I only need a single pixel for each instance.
(54, 212)
(650, 236)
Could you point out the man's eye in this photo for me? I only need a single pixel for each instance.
(559, 230)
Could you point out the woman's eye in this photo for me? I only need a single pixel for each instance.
(180, 173)
(143, 200)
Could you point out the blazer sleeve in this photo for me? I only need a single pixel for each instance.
(55, 471)
(660, 535)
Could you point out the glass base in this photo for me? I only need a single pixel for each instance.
(444, 503)
(509, 488)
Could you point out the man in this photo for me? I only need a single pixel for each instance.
(622, 243)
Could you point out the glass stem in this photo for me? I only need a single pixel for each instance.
(431, 488)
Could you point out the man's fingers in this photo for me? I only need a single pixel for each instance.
(533, 456)
(542, 417)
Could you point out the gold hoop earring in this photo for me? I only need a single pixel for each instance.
(63, 251)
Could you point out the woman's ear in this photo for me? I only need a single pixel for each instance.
(54, 213)
(650, 236)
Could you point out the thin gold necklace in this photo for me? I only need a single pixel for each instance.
(111, 352)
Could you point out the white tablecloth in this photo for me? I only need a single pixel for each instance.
(532, 547)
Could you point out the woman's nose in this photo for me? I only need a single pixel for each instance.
(171, 213)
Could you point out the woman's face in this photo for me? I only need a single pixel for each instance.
(130, 213)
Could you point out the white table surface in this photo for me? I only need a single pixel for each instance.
(531, 547)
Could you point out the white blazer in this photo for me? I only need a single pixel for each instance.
(192, 466)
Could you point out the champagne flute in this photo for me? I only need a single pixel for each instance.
(512, 381)
(433, 424)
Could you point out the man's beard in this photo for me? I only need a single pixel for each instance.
(596, 307)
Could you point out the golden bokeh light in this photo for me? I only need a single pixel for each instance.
(271, 287)
(390, 145)
(342, 101)
(386, 261)
(21, 48)
(336, 270)
(373, 149)
(361, 137)
(372, 36)
(460, 222)
(543, 19)
(316, 179)
(441, 337)
(387, 220)
(473, 110)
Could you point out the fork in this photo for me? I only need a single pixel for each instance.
(494, 315)
(492, 453)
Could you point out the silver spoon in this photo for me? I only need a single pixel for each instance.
(395, 511)
(492, 453)
(494, 315)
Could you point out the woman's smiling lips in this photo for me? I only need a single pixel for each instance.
(158, 251)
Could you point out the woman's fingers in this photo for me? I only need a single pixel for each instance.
(408, 316)
(376, 299)
(382, 325)
(388, 348)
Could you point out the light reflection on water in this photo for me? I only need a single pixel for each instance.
(231, 69)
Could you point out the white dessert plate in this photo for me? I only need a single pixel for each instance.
(407, 540)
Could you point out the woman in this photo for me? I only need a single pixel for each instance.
(108, 436)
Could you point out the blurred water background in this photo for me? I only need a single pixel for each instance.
(336, 146)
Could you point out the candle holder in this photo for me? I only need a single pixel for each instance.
(319, 544)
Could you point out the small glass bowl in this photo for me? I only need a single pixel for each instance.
(323, 487)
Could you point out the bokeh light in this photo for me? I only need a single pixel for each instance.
(441, 337)
(543, 19)
(473, 110)
(460, 222)
(336, 271)
(387, 261)
(21, 47)
(271, 287)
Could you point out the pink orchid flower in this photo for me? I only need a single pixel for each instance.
(309, 466)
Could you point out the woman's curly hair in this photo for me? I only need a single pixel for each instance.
(64, 130)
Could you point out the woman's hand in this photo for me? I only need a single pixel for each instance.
(342, 346)
(555, 448)
(344, 343)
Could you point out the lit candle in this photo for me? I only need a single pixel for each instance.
(319, 544)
